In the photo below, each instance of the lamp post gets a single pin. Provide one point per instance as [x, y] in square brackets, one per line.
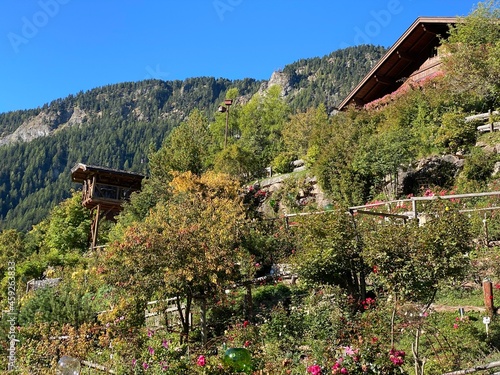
[222, 109]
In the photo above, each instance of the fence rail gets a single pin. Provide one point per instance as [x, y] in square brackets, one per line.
[491, 126]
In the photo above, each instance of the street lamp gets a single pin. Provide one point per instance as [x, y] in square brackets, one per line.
[222, 109]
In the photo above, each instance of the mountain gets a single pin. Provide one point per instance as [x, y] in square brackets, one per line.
[112, 126]
[115, 126]
[327, 80]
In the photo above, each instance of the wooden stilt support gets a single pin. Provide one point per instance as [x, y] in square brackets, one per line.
[95, 226]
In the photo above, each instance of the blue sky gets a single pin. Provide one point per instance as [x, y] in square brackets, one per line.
[52, 48]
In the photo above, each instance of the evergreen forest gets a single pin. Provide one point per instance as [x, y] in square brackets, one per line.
[117, 126]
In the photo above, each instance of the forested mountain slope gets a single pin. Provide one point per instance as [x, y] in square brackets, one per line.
[115, 126]
[111, 126]
[329, 80]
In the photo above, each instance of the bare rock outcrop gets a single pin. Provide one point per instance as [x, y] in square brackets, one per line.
[278, 78]
[38, 126]
[431, 171]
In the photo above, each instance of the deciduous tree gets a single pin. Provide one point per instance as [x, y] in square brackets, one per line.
[412, 260]
[327, 252]
[471, 53]
[186, 248]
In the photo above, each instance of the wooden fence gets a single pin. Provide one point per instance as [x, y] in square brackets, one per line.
[487, 117]
[163, 313]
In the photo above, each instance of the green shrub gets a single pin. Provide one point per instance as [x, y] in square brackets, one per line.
[283, 162]
[478, 166]
[64, 304]
[266, 297]
[455, 134]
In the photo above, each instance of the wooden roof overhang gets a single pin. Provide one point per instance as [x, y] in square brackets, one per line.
[409, 52]
[105, 187]
[81, 172]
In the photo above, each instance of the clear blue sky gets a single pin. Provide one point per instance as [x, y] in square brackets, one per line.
[52, 48]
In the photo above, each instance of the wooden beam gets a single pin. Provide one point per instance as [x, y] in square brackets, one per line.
[383, 80]
[427, 30]
[95, 226]
[385, 214]
[479, 209]
[481, 116]
[406, 56]
[475, 369]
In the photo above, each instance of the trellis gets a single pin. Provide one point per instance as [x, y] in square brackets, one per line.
[414, 214]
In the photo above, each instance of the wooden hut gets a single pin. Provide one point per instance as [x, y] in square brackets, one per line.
[104, 191]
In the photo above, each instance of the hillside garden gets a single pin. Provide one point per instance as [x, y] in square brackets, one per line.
[206, 272]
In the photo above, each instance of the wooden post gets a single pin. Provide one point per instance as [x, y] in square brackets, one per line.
[203, 320]
[94, 227]
[485, 224]
[249, 303]
[488, 296]
[492, 125]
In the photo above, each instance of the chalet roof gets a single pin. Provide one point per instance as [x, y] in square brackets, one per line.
[81, 172]
[410, 51]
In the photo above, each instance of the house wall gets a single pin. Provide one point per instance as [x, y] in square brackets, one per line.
[428, 69]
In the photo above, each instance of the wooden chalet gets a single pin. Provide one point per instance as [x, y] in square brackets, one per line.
[413, 58]
[104, 190]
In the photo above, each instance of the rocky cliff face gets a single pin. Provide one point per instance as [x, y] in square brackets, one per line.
[38, 126]
[278, 78]
[144, 101]
[43, 125]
